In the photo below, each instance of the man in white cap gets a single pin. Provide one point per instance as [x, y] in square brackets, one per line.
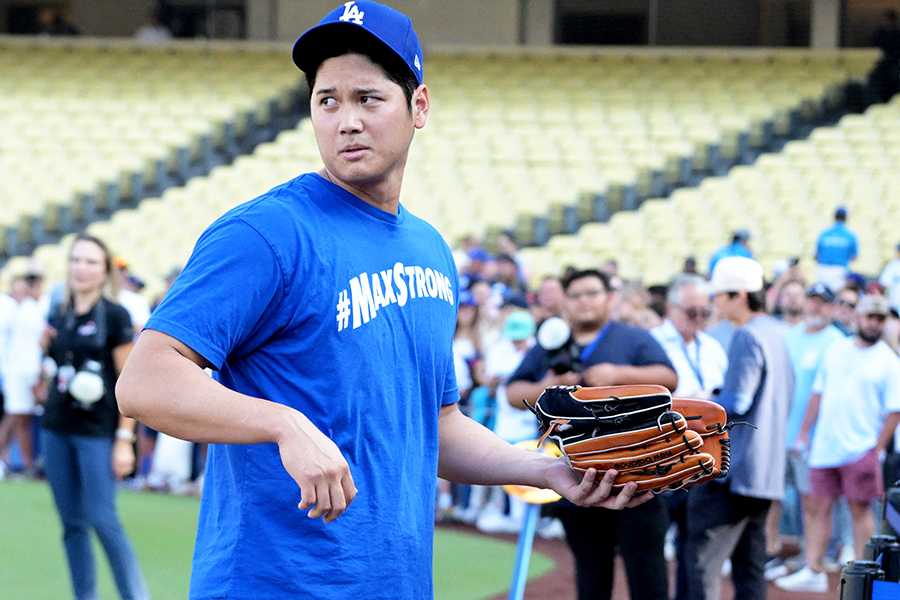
[855, 408]
[328, 316]
[726, 518]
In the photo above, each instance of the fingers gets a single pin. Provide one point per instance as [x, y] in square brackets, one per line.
[597, 493]
[327, 499]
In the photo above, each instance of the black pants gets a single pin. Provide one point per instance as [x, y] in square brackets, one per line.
[677, 504]
[593, 535]
[722, 525]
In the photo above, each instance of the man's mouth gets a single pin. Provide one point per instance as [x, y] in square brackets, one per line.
[354, 151]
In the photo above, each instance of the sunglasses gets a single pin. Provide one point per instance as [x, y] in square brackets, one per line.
[695, 313]
[842, 302]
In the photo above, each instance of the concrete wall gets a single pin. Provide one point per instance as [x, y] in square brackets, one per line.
[436, 21]
[686, 22]
[533, 22]
[110, 17]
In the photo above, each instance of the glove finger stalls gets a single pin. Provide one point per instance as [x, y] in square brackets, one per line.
[670, 476]
[641, 458]
[629, 439]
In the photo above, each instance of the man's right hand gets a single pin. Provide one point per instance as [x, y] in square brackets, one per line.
[319, 468]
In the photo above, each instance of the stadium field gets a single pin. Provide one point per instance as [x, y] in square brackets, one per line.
[32, 563]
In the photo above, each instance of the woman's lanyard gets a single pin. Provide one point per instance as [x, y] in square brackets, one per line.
[589, 349]
[695, 365]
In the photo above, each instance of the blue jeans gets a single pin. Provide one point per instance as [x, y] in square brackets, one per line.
[79, 470]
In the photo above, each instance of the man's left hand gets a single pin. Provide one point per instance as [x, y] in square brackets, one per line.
[588, 491]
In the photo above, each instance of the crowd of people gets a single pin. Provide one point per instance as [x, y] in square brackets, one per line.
[809, 359]
[795, 356]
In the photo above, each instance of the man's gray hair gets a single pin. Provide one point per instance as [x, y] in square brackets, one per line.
[675, 294]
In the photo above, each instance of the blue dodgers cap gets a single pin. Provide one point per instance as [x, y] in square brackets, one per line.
[821, 290]
[391, 28]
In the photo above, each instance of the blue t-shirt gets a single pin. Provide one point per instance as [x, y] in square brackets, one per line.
[806, 351]
[309, 297]
[735, 249]
[836, 246]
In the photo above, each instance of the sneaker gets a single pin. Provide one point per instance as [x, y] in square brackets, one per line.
[775, 568]
[726, 567]
[847, 555]
[492, 522]
[804, 580]
[550, 529]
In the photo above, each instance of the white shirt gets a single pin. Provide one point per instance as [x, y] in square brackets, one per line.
[137, 306]
[890, 278]
[859, 387]
[511, 424]
[21, 325]
[700, 365]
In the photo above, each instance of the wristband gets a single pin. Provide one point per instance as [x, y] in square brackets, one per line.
[126, 435]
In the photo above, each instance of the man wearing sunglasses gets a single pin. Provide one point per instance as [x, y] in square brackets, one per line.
[697, 357]
[855, 407]
[700, 362]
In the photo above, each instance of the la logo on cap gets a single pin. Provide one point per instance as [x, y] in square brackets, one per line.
[352, 13]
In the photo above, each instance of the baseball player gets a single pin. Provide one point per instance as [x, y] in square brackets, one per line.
[328, 313]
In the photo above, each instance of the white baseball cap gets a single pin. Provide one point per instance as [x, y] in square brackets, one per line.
[736, 274]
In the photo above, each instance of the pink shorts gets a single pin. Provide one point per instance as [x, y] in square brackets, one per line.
[860, 481]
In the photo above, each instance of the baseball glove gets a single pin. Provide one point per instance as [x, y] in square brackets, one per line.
[639, 431]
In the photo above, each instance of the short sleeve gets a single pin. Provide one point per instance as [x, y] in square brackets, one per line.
[119, 326]
[533, 366]
[228, 295]
[744, 374]
[650, 352]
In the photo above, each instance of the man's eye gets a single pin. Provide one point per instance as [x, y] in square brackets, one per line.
[327, 102]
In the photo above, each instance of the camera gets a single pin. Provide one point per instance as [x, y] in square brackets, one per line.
[563, 353]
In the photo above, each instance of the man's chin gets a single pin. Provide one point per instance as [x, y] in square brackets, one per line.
[870, 339]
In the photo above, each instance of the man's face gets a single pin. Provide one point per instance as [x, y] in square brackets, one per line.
[792, 299]
[691, 315]
[363, 123]
[870, 327]
[551, 295]
[725, 305]
[817, 312]
[587, 304]
[845, 306]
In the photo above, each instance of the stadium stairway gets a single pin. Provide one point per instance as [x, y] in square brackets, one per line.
[91, 126]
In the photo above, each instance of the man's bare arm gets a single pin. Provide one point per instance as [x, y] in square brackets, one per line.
[470, 453]
[164, 386]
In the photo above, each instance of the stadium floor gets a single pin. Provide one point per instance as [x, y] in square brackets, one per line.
[559, 584]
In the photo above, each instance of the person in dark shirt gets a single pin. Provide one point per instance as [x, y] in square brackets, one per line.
[604, 352]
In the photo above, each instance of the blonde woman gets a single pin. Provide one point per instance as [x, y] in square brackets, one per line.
[87, 443]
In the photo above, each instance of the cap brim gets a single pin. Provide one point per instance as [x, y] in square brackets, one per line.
[324, 41]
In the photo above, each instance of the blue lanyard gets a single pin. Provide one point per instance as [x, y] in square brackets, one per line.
[589, 349]
[695, 366]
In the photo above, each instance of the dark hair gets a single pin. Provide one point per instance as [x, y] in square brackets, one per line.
[576, 275]
[364, 44]
[756, 301]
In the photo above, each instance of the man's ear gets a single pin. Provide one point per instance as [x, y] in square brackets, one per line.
[420, 105]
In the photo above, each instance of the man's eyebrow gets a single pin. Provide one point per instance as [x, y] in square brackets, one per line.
[357, 91]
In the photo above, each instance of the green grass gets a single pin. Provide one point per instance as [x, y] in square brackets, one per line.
[466, 567]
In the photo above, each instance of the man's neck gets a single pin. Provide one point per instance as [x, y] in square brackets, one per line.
[863, 344]
[586, 336]
[384, 195]
[810, 330]
[688, 337]
[743, 317]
